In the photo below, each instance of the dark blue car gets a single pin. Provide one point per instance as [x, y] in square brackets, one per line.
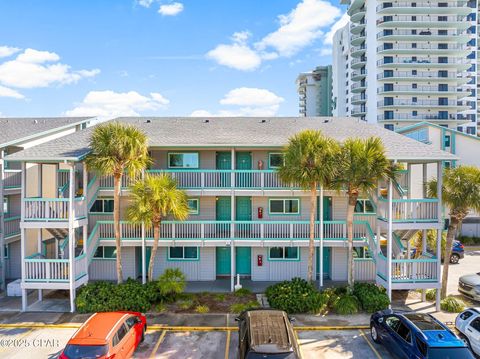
[416, 335]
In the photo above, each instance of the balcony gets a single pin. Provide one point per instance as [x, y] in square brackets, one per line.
[449, 76]
[358, 27]
[409, 271]
[357, 112]
[405, 7]
[357, 39]
[13, 179]
[358, 75]
[423, 35]
[11, 226]
[419, 117]
[407, 62]
[424, 90]
[357, 15]
[357, 51]
[410, 211]
[424, 48]
[260, 230]
[358, 87]
[53, 209]
[420, 103]
[424, 21]
[358, 62]
[359, 99]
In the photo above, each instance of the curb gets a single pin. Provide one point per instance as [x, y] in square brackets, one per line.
[185, 328]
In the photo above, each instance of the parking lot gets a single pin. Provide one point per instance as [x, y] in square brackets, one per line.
[48, 343]
[467, 265]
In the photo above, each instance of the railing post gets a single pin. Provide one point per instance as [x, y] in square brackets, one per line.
[389, 239]
[262, 179]
[202, 179]
[71, 235]
[202, 230]
[439, 230]
[262, 230]
[47, 271]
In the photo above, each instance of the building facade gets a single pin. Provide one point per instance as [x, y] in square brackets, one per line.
[243, 220]
[18, 134]
[411, 62]
[315, 92]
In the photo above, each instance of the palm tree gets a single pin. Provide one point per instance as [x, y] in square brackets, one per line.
[153, 200]
[361, 164]
[117, 149]
[461, 194]
[309, 162]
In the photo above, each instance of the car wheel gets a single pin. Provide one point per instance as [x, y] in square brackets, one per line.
[454, 258]
[374, 333]
[143, 335]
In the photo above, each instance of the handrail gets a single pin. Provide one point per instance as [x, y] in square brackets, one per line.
[408, 200]
[8, 219]
[398, 241]
[92, 181]
[240, 222]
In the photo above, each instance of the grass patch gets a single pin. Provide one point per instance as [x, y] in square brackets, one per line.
[452, 305]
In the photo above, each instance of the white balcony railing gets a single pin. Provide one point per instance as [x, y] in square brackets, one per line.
[13, 179]
[409, 210]
[53, 209]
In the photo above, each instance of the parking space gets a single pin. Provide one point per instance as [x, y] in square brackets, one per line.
[466, 266]
[48, 343]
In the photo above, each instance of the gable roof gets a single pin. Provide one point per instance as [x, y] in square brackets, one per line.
[430, 124]
[15, 130]
[238, 132]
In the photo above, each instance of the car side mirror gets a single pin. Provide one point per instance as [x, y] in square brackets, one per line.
[237, 319]
[380, 320]
[291, 319]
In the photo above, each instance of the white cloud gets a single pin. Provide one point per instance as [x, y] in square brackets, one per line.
[171, 9]
[237, 55]
[7, 92]
[145, 3]
[6, 51]
[110, 104]
[338, 25]
[298, 29]
[33, 69]
[326, 51]
[248, 101]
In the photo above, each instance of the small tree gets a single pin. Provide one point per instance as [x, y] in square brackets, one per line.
[153, 200]
[309, 162]
[461, 194]
[362, 163]
[116, 149]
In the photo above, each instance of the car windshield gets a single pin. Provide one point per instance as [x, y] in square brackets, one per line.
[85, 351]
[449, 353]
[253, 355]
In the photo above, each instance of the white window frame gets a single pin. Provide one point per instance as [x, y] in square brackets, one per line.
[194, 211]
[270, 158]
[183, 153]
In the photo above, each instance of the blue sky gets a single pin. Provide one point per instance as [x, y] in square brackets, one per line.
[160, 57]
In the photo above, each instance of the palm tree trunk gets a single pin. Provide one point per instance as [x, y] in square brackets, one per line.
[311, 244]
[452, 230]
[352, 202]
[117, 180]
[156, 237]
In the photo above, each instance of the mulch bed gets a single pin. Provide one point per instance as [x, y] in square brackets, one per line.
[216, 302]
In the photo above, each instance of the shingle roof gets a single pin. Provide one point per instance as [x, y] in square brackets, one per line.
[272, 132]
[15, 130]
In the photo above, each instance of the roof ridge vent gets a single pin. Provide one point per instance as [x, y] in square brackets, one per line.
[148, 120]
[35, 121]
[206, 120]
[263, 120]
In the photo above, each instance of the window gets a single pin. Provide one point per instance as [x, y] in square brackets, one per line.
[387, 87]
[443, 101]
[404, 332]
[183, 160]
[364, 206]
[414, 113]
[388, 101]
[442, 87]
[119, 335]
[422, 347]
[102, 205]
[6, 205]
[6, 251]
[284, 206]
[105, 252]
[183, 253]
[414, 86]
[465, 315]
[471, 130]
[193, 205]
[387, 73]
[443, 60]
[388, 115]
[393, 323]
[442, 46]
[475, 324]
[361, 252]
[284, 253]
[414, 72]
[131, 321]
[414, 99]
[275, 160]
[443, 115]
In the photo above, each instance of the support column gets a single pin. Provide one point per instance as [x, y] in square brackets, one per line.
[409, 180]
[424, 180]
[144, 271]
[424, 250]
[321, 237]
[23, 238]
[389, 240]
[2, 222]
[439, 232]
[71, 236]
[232, 225]
[85, 246]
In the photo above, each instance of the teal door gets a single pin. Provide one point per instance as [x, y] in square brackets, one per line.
[325, 261]
[148, 253]
[223, 208]
[243, 260]
[223, 261]
[243, 161]
[327, 208]
[243, 212]
[223, 162]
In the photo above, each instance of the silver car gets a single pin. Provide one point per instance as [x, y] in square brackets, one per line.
[469, 285]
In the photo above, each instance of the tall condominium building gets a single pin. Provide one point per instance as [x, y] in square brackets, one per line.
[315, 92]
[409, 63]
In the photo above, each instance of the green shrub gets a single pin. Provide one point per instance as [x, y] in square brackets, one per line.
[202, 309]
[220, 297]
[241, 307]
[347, 305]
[333, 295]
[171, 283]
[160, 307]
[318, 302]
[371, 297]
[431, 294]
[293, 296]
[469, 241]
[452, 305]
[185, 304]
[242, 292]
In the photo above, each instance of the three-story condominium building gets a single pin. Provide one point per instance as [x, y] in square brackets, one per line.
[243, 219]
[410, 61]
[17, 134]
